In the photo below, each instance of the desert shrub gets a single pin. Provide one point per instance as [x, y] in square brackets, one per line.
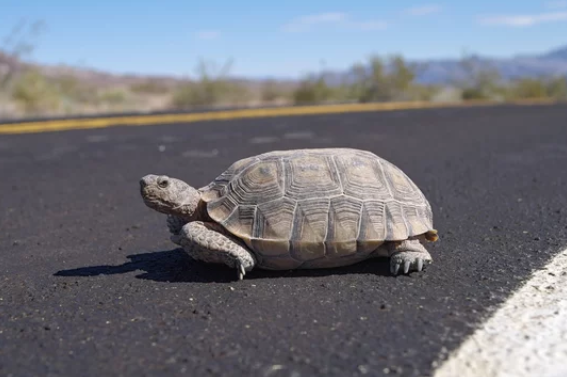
[379, 80]
[370, 83]
[312, 91]
[527, 88]
[400, 78]
[34, 93]
[423, 92]
[113, 96]
[385, 79]
[235, 93]
[468, 94]
[210, 93]
[479, 80]
[71, 90]
[557, 88]
[210, 89]
[197, 94]
[270, 91]
[149, 87]
[16, 45]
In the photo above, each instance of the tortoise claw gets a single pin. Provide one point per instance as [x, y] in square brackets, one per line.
[419, 264]
[240, 271]
[409, 261]
[395, 268]
[407, 264]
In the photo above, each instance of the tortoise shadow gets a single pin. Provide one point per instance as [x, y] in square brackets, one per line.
[175, 266]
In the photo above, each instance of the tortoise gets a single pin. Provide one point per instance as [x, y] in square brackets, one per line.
[303, 208]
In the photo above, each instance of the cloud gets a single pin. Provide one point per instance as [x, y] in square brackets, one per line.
[208, 34]
[333, 19]
[424, 10]
[560, 4]
[524, 20]
[304, 23]
[322, 18]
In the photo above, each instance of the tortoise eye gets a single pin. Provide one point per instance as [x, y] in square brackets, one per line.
[163, 182]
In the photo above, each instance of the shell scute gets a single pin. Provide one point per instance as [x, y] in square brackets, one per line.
[311, 177]
[362, 176]
[310, 229]
[343, 226]
[402, 188]
[260, 184]
[274, 220]
[218, 187]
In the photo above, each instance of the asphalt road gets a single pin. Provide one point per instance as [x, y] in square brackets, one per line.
[91, 285]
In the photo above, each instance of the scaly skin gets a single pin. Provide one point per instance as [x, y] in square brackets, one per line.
[175, 223]
[408, 255]
[209, 242]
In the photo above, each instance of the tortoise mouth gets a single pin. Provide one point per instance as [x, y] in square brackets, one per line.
[152, 199]
[159, 206]
[144, 192]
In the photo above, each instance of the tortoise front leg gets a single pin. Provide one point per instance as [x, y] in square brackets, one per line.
[408, 253]
[210, 243]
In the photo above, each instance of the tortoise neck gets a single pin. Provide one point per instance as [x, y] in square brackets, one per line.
[201, 213]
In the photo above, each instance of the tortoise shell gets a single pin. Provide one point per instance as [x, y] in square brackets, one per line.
[315, 207]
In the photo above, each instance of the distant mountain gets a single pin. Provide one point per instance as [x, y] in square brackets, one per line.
[446, 71]
[553, 63]
[559, 54]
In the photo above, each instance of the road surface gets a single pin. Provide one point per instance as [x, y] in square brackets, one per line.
[91, 285]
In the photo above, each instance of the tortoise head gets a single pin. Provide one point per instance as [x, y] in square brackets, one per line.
[169, 195]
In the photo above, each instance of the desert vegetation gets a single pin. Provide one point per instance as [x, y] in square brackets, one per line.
[28, 89]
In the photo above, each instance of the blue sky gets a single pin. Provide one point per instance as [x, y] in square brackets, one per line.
[284, 38]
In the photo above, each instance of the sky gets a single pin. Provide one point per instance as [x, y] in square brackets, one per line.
[278, 39]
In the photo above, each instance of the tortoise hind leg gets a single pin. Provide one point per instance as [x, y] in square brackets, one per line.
[409, 254]
[210, 243]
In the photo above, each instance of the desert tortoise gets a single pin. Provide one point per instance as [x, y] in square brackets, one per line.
[305, 208]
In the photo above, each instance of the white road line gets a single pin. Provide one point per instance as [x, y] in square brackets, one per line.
[526, 336]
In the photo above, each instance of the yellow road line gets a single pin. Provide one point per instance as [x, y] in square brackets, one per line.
[140, 120]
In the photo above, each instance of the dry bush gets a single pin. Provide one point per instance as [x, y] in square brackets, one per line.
[149, 87]
[527, 89]
[270, 91]
[480, 80]
[34, 94]
[312, 91]
[210, 89]
[557, 88]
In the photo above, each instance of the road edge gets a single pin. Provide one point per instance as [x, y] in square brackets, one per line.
[158, 119]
